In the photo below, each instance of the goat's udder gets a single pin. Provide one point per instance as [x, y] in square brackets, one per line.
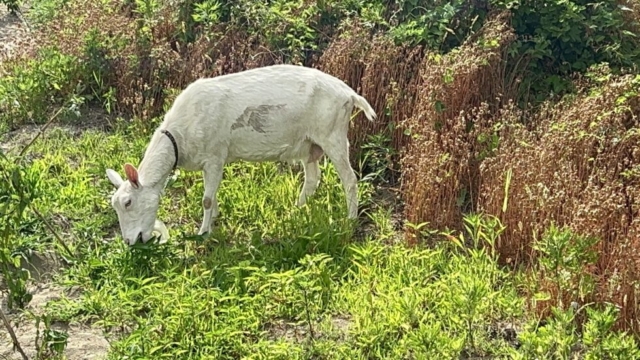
[315, 153]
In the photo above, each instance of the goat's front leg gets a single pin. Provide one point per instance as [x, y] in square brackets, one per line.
[212, 176]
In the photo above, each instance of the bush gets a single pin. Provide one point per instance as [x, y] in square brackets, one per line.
[30, 88]
[18, 189]
[557, 38]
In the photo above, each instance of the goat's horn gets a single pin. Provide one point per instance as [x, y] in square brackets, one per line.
[162, 229]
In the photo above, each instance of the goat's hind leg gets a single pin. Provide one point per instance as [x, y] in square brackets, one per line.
[311, 174]
[337, 149]
[212, 175]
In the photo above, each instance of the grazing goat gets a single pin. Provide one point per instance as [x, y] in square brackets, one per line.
[274, 113]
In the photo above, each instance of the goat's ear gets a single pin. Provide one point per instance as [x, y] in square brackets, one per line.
[132, 175]
[114, 177]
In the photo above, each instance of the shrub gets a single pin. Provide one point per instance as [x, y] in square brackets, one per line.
[559, 336]
[575, 165]
[441, 26]
[30, 88]
[557, 38]
[18, 188]
[563, 262]
[449, 126]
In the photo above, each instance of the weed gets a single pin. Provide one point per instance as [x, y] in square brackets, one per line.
[553, 340]
[377, 158]
[563, 258]
[570, 169]
[19, 187]
[601, 342]
[51, 344]
[441, 162]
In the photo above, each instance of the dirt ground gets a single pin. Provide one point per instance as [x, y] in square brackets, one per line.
[83, 342]
[14, 33]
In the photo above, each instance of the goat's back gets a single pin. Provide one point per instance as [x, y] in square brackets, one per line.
[268, 113]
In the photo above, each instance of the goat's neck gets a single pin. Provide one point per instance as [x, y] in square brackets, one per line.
[157, 163]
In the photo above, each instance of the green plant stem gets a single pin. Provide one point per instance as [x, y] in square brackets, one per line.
[55, 233]
[40, 132]
[14, 339]
[306, 307]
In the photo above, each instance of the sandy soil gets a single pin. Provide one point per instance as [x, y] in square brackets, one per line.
[14, 33]
[83, 342]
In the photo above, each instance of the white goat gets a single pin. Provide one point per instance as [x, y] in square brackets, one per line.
[274, 113]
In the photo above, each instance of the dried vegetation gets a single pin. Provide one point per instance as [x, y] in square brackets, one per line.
[467, 148]
[578, 167]
[451, 128]
[384, 73]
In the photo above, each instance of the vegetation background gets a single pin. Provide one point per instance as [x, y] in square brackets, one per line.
[500, 184]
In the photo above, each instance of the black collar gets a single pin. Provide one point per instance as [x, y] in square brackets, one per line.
[175, 146]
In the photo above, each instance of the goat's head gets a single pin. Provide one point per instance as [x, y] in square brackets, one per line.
[136, 206]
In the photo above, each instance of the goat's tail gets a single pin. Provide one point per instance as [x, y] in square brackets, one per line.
[362, 104]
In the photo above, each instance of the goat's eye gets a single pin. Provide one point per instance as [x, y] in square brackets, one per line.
[128, 203]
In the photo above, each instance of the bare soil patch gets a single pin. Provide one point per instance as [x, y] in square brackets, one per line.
[300, 332]
[83, 342]
[14, 34]
[91, 118]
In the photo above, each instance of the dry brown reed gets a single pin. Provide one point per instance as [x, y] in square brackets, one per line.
[390, 82]
[440, 163]
[344, 59]
[384, 73]
[579, 168]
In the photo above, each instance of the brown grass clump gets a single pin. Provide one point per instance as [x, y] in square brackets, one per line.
[390, 85]
[144, 61]
[450, 126]
[344, 56]
[579, 168]
[344, 59]
[384, 73]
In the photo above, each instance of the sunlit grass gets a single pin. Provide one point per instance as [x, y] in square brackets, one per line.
[273, 281]
[269, 270]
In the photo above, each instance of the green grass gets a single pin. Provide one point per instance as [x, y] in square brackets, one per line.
[276, 281]
[269, 265]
